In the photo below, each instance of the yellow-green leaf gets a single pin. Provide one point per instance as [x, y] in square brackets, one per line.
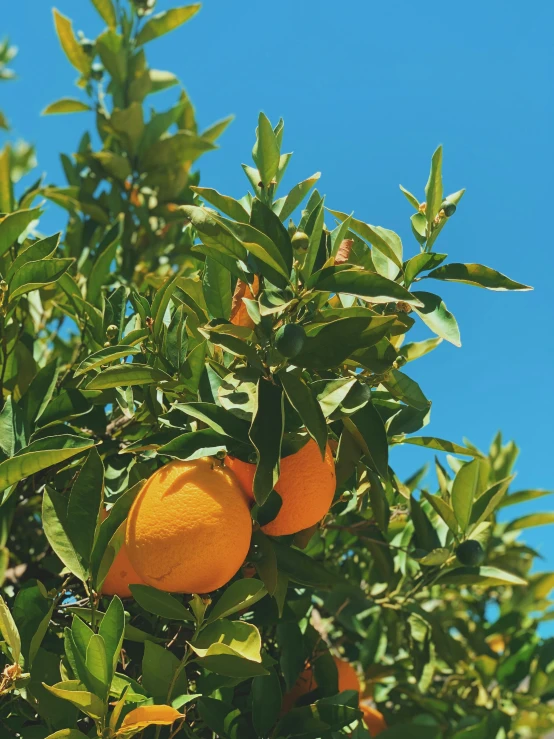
[165, 22]
[66, 105]
[9, 631]
[72, 48]
[144, 716]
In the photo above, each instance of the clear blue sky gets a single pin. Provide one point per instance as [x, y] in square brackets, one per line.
[367, 91]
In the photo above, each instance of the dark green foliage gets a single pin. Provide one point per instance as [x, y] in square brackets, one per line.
[120, 349]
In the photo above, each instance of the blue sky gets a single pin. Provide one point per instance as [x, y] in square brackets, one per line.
[367, 91]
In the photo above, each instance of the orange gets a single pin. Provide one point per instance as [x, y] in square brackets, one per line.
[373, 719]
[348, 680]
[306, 485]
[121, 573]
[189, 528]
[497, 643]
[239, 314]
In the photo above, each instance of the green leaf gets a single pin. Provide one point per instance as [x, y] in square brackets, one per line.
[291, 202]
[115, 165]
[67, 734]
[476, 274]
[59, 532]
[267, 437]
[39, 455]
[426, 536]
[464, 492]
[41, 249]
[433, 188]
[378, 500]
[66, 105]
[196, 444]
[224, 203]
[102, 266]
[303, 569]
[67, 404]
[230, 648]
[530, 521]
[420, 263]
[433, 442]
[35, 275]
[443, 510]
[72, 691]
[489, 501]
[330, 344]
[265, 220]
[107, 11]
[403, 388]
[72, 48]
[97, 662]
[13, 225]
[262, 247]
[417, 349]
[484, 576]
[112, 630]
[85, 502]
[160, 603]
[314, 240]
[217, 418]
[385, 241]
[105, 356]
[266, 150]
[318, 720]
[160, 678]
[127, 374]
[435, 314]
[32, 612]
[160, 303]
[266, 561]
[266, 702]
[368, 429]
[216, 281]
[164, 22]
[409, 197]
[238, 596]
[521, 496]
[302, 399]
[9, 631]
[39, 393]
[213, 132]
[363, 284]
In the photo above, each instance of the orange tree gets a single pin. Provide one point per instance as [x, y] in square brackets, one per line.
[198, 397]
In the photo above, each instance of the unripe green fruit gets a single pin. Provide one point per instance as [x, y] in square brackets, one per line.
[300, 241]
[97, 73]
[290, 339]
[449, 208]
[470, 553]
[4, 286]
[88, 47]
[112, 331]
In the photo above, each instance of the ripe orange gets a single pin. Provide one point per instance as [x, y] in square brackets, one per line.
[348, 680]
[189, 528]
[306, 485]
[121, 573]
[239, 314]
[373, 719]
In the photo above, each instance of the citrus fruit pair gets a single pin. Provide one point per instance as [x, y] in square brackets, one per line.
[306, 485]
[189, 528]
[347, 680]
